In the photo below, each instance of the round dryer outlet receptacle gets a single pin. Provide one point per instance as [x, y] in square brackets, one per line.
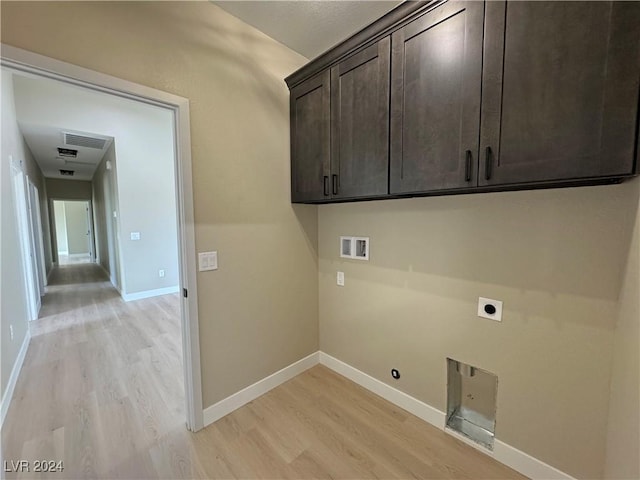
[490, 309]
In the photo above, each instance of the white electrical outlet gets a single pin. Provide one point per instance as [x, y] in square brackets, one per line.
[161, 273]
[340, 279]
[491, 309]
[11, 332]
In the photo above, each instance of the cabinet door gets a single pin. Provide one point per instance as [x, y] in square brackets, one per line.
[360, 123]
[435, 99]
[310, 154]
[560, 90]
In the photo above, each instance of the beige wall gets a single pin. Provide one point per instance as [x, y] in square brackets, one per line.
[258, 312]
[60, 189]
[554, 257]
[623, 439]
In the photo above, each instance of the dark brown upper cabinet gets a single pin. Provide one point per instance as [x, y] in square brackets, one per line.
[465, 96]
[435, 99]
[360, 123]
[310, 139]
[560, 91]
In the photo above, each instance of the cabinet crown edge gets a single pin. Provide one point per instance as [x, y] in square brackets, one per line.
[394, 19]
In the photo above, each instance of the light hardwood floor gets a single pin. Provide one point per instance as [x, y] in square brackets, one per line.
[101, 389]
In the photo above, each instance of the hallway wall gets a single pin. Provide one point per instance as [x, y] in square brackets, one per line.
[104, 188]
[60, 189]
[14, 311]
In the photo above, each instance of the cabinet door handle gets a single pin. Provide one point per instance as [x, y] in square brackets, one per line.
[334, 182]
[326, 186]
[467, 168]
[487, 165]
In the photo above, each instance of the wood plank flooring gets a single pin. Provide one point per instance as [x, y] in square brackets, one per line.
[101, 389]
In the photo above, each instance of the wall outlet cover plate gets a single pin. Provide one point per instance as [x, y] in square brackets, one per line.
[491, 309]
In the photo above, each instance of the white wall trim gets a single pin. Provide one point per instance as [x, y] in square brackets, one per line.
[244, 396]
[526, 464]
[410, 404]
[42, 66]
[503, 453]
[13, 379]
[128, 297]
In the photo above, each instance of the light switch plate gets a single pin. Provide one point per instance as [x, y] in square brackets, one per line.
[207, 261]
[340, 279]
[491, 309]
[135, 235]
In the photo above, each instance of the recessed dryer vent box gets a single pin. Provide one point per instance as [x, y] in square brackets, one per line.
[354, 247]
[471, 402]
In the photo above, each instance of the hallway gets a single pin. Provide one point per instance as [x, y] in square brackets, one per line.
[102, 379]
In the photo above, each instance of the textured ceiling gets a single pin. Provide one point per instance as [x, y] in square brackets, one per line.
[308, 27]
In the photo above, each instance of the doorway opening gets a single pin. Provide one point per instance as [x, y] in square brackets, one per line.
[74, 233]
[40, 67]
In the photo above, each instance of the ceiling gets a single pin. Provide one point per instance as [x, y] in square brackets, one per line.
[308, 27]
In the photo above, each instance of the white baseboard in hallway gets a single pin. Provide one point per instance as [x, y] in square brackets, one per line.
[128, 297]
[244, 396]
[15, 372]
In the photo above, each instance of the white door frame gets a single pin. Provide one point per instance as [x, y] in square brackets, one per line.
[36, 222]
[20, 193]
[91, 239]
[41, 66]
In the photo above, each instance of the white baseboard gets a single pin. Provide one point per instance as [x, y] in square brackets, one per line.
[237, 400]
[503, 453]
[410, 404]
[526, 464]
[128, 297]
[13, 379]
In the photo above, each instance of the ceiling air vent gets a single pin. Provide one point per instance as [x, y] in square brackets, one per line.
[84, 141]
[67, 152]
[67, 173]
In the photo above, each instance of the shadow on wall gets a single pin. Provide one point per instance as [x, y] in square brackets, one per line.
[307, 216]
[564, 241]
